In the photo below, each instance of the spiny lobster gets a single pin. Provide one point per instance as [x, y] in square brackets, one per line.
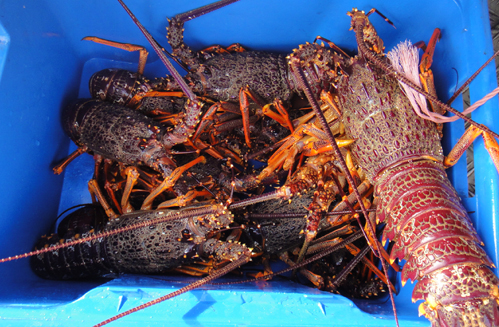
[156, 241]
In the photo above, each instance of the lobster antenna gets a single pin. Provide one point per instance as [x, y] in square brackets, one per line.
[305, 262]
[71, 208]
[191, 14]
[472, 77]
[298, 214]
[219, 273]
[161, 55]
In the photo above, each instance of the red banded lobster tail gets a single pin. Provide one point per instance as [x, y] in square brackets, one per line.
[433, 233]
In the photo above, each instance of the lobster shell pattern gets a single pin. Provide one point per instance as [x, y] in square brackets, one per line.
[222, 76]
[266, 74]
[383, 121]
[401, 154]
[123, 87]
[115, 132]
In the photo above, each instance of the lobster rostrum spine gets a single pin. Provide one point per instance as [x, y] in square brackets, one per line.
[401, 154]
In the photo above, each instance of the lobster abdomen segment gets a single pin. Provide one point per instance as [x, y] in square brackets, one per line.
[418, 195]
[433, 232]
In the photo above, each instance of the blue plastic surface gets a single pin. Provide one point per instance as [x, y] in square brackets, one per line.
[45, 65]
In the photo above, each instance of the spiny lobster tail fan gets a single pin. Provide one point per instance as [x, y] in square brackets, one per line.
[466, 298]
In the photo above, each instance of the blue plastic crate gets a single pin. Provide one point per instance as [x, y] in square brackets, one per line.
[43, 65]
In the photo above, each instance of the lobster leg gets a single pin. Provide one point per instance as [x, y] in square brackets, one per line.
[182, 201]
[216, 152]
[143, 53]
[244, 95]
[132, 177]
[466, 140]
[282, 118]
[110, 184]
[426, 74]
[95, 190]
[168, 182]
[60, 167]
[315, 279]
[236, 47]
[296, 142]
[210, 116]
[199, 269]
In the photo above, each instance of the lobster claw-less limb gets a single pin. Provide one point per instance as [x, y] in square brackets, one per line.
[467, 139]
[143, 53]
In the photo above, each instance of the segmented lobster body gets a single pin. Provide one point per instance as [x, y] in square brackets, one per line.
[401, 154]
[146, 250]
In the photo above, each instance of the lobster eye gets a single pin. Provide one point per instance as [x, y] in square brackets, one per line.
[206, 71]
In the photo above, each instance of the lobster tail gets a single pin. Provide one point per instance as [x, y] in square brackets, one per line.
[432, 231]
[77, 261]
[459, 295]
